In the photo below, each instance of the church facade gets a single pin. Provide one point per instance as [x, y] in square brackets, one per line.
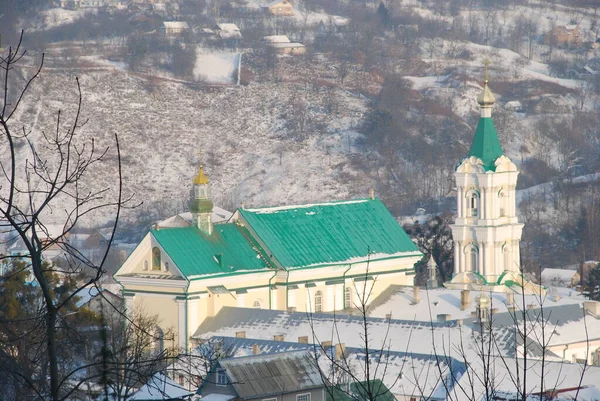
[316, 258]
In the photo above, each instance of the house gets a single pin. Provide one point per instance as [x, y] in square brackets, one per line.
[285, 376]
[564, 35]
[174, 28]
[283, 45]
[332, 25]
[100, 299]
[314, 257]
[560, 278]
[550, 104]
[228, 31]
[280, 8]
[514, 105]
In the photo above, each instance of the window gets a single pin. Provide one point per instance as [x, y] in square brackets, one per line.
[348, 297]
[502, 202]
[270, 399]
[145, 265]
[473, 254]
[303, 397]
[180, 380]
[318, 303]
[473, 204]
[155, 258]
[221, 377]
[167, 266]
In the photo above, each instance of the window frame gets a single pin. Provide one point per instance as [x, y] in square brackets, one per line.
[302, 395]
[221, 374]
[318, 305]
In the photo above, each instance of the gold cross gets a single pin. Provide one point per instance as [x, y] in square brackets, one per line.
[486, 62]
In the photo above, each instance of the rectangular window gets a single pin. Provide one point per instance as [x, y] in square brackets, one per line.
[221, 377]
[303, 397]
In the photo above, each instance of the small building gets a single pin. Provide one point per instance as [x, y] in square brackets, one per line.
[334, 24]
[228, 31]
[564, 35]
[283, 45]
[280, 8]
[285, 376]
[560, 278]
[514, 105]
[173, 28]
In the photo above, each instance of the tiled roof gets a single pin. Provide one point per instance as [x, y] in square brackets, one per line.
[486, 145]
[329, 233]
[226, 251]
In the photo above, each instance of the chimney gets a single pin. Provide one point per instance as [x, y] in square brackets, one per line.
[510, 299]
[155, 227]
[592, 308]
[416, 295]
[243, 205]
[465, 297]
[240, 334]
[372, 193]
[278, 337]
[303, 340]
[340, 351]
[255, 349]
[326, 345]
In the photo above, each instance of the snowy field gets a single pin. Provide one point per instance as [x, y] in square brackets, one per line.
[217, 68]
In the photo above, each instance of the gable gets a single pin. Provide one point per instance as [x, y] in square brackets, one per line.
[329, 233]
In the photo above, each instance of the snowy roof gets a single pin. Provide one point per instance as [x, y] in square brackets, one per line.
[549, 275]
[559, 379]
[265, 324]
[175, 24]
[274, 2]
[228, 27]
[277, 39]
[286, 45]
[160, 387]
[570, 27]
[443, 301]
[514, 104]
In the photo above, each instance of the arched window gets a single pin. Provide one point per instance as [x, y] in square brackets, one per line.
[318, 302]
[348, 297]
[473, 204]
[166, 266]
[502, 203]
[256, 304]
[507, 258]
[471, 254]
[155, 258]
[145, 265]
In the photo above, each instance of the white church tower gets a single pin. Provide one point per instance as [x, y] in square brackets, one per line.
[486, 231]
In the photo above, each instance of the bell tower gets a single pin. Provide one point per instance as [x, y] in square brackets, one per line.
[486, 231]
[202, 205]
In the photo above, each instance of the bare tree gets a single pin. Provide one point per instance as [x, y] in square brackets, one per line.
[46, 175]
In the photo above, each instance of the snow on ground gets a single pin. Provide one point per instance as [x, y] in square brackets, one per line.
[58, 16]
[217, 68]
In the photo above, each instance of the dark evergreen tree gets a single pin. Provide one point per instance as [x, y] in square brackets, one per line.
[592, 283]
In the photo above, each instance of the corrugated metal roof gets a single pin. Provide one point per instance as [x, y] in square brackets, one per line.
[329, 233]
[226, 251]
[262, 375]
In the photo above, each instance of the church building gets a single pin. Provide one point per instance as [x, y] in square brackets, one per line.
[486, 231]
[316, 258]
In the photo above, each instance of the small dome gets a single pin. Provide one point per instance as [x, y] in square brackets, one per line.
[486, 97]
[483, 300]
[200, 178]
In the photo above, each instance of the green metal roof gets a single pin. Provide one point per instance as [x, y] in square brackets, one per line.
[486, 145]
[359, 391]
[329, 233]
[196, 253]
